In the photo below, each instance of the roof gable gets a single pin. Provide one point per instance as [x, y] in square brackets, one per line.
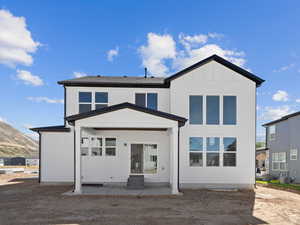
[153, 82]
[181, 120]
[222, 61]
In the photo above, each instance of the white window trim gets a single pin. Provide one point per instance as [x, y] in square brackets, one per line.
[103, 146]
[279, 161]
[84, 103]
[294, 154]
[109, 146]
[195, 151]
[203, 110]
[235, 152]
[100, 103]
[146, 97]
[219, 152]
[93, 102]
[272, 138]
[158, 161]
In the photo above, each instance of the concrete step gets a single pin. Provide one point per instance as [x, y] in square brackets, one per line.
[135, 182]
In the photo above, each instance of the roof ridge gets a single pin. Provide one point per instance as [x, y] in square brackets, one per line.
[286, 117]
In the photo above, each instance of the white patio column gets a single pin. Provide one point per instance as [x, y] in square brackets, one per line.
[174, 160]
[77, 160]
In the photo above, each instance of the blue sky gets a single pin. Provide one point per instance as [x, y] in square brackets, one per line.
[42, 42]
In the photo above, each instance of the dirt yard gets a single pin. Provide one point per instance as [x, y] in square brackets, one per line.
[26, 202]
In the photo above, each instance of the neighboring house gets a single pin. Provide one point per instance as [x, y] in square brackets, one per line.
[193, 129]
[283, 142]
[32, 161]
[13, 161]
[262, 160]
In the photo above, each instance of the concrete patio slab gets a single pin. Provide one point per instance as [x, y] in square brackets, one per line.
[122, 191]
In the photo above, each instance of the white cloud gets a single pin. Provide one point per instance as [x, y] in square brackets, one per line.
[284, 68]
[3, 119]
[298, 100]
[29, 78]
[188, 57]
[79, 74]
[273, 113]
[191, 49]
[45, 99]
[16, 43]
[112, 53]
[280, 96]
[188, 41]
[158, 49]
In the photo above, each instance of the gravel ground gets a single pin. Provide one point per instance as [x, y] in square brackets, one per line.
[27, 202]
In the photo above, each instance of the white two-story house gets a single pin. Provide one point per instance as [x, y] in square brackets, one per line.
[194, 129]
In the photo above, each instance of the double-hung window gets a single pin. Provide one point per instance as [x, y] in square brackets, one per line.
[294, 154]
[196, 151]
[92, 100]
[85, 145]
[98, 146]
[272, 132]
[101, 100]
[196, 109]
[85, 102]
[229, 155]
[212, 110]
[212, 151]
[229, 110]
[148, 100]
[279, 161]
[110, 146]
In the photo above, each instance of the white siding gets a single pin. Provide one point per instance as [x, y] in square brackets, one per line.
[98, 169]
[215, 79]
[116, 96]
[57, 157]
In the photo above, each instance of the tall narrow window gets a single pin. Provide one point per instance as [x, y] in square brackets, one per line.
[196, 109]
[229, 156]
[213, 151]
[101, 100]
[110, 146]
[279, 161]
[196, 151]
[294, 154]
[85, 101]
[152, 101]
[96, 146]
[229, 110]
[148, 100]
[212, 110]
[272, 132]
[85, 146]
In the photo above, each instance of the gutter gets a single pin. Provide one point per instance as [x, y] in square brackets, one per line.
[178, 152]
[40, 161]
[74, 159]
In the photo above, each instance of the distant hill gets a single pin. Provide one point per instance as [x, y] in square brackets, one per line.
[15, 143]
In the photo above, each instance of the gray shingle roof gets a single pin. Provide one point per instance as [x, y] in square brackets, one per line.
[282, 119]
[159, 82]
[115, 80]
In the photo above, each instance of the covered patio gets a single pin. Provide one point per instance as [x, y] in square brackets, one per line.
[113, 190]
[127, 122]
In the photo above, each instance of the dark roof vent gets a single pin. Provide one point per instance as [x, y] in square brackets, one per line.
[152, 76]
[124, 76]
[98, 75]
[146, 72]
